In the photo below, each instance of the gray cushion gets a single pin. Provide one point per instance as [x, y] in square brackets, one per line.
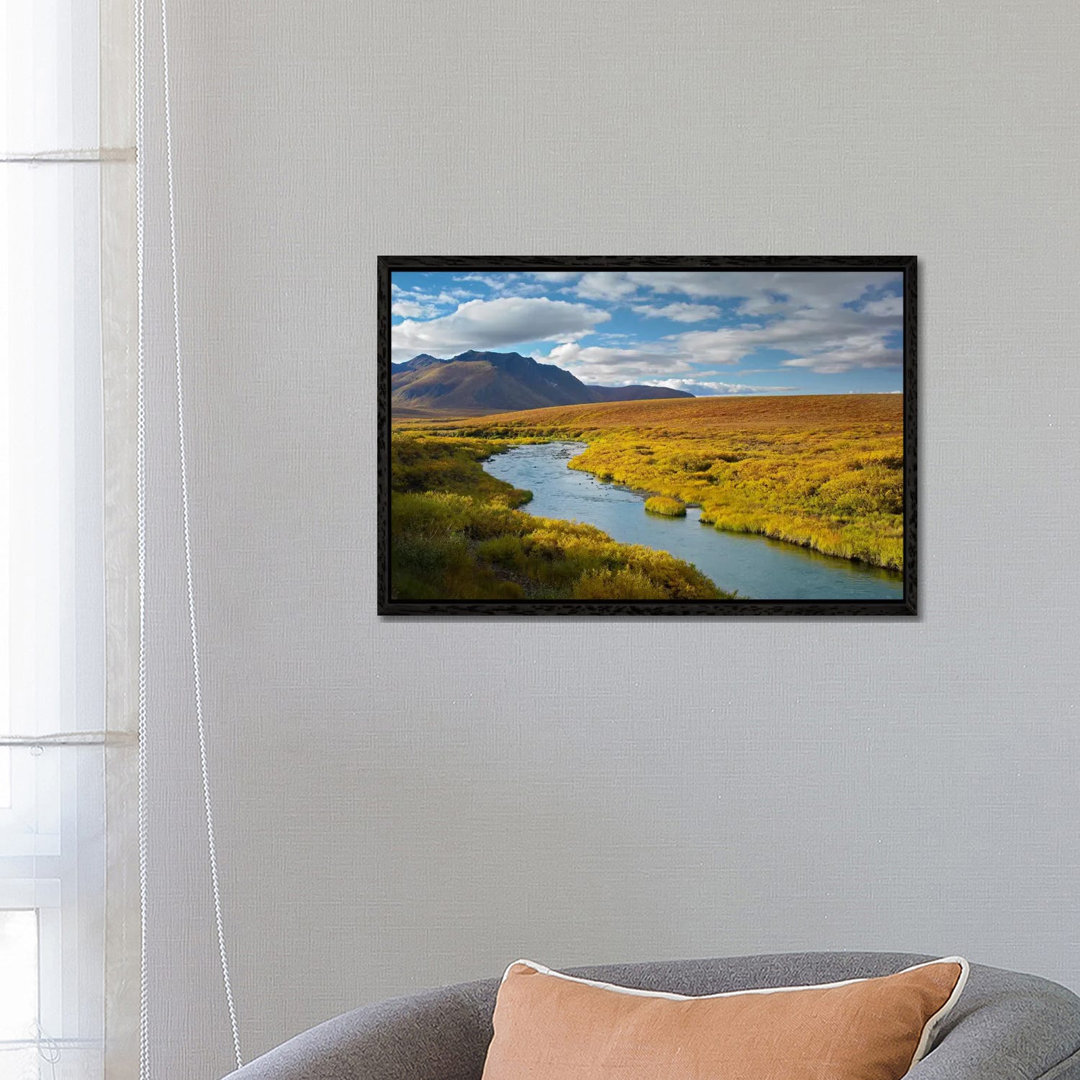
[1006, 1026]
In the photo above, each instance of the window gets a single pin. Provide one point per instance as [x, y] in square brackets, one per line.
[52, 578]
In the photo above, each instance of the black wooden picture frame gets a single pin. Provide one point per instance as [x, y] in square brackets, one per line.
[901, 602]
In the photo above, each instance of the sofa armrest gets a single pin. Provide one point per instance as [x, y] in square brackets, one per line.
[441, 1034]
[1007, 1026]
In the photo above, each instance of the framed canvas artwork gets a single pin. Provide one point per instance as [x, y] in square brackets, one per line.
[651, 436]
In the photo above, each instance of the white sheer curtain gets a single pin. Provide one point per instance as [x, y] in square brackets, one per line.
[57, 206]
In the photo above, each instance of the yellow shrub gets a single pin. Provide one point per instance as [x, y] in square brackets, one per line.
[661, 504]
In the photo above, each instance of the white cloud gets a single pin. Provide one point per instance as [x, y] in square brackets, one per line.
[509, 284]
[766, 291]
[721, 389]
[410, 309]
[554, 275]
[679, 312]
[419, 296]
[497, 282]
[605, 285]
[826, 341]
[866, 352]
[495, 324]
[838, 336]
[598, 364]
[886, 306]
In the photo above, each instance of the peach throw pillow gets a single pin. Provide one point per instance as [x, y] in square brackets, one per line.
[550, 1026]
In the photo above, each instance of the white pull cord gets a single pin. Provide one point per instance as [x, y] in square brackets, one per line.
[140, 455]
[140, 198]
[197, 679]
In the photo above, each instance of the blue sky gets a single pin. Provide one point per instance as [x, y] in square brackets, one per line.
[714, 332]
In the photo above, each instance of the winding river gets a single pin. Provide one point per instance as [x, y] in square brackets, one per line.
[759, 568]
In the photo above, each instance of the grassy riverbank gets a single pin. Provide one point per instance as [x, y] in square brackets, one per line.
[456, 533]
[825, 472]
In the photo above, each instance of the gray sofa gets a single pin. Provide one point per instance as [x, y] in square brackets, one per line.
[1006, 1026]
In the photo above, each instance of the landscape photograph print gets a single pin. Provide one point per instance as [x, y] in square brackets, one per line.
[647, 436]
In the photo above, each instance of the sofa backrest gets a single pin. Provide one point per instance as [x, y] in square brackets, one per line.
[1006, 1026]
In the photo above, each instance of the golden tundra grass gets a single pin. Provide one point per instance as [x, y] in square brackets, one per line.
[456, 534]
[825, 472]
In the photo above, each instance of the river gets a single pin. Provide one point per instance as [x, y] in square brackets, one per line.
[757, 567]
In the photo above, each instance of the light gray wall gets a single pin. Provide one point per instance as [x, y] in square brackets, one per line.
[409, 803]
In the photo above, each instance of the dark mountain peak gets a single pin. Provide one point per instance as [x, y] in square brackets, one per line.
[502, 360]
[421, 360]
[478, 381]
[509, 361]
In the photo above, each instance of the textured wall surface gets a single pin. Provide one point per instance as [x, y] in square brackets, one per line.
[408, 803]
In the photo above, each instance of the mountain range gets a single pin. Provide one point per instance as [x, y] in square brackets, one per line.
[474, 383]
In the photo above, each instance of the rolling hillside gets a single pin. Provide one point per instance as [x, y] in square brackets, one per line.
[855, 414]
